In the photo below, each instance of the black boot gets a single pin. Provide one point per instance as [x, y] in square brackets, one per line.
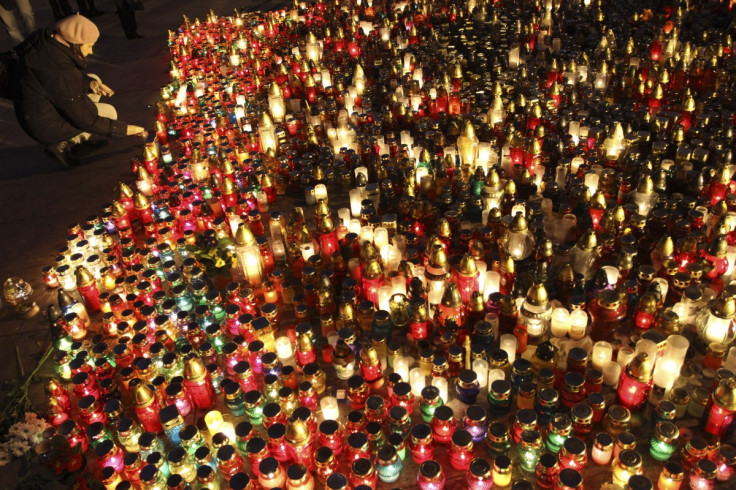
[62, 153]
[87, 147]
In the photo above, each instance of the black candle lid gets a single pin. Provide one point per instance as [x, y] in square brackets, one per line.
[522, 485]
[430, 469]
[462, 438]
[145, 440]
[323, 454]
[362, 467]
[548, 460]
[375, 403]
[271, 409]
[468, 376]
[386, 454]
[356, 382]
[107, 472]
[526, 416]
[569, 477]
[421, 431]
[276, 431]
[174, 480]
[253, 397]
[226, 452]
[573, 445]
[329, 427]
[94, 429]
[176, 455]
[148, 473]
[254, 446]
[444, 413]
[397, 412]
[639, 482]
[429, 392]
[402, 389]
[502, 462]
[626, 439]
[302, 413]
[204, 472]
[243, 429]
[357, 440]
[480, 467]
[268, 466]
[355, 417]
[475, 413]
[629, 457]
[239, 481]
[104, 447]
[337, 481]
[202, 454]
[130, 458]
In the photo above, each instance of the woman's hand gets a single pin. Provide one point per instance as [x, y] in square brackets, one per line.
[99, 88]
[136, 131]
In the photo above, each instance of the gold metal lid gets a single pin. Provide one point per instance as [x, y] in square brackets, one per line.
[537, 295]
[640, 367]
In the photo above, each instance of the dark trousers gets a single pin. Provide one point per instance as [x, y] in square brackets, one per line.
[86, 7]
[126, 13]
[60, 9]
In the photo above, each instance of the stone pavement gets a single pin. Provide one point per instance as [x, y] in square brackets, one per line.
[39, 199]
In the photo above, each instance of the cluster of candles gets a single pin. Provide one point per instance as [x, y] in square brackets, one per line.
[537, 207]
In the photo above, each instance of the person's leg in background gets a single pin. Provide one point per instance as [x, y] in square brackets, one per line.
[26, 15]
[126, 13]
[60, 9]
[83, 7]
[7, 16]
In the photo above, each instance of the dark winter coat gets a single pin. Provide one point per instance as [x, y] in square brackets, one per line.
[52, 103]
